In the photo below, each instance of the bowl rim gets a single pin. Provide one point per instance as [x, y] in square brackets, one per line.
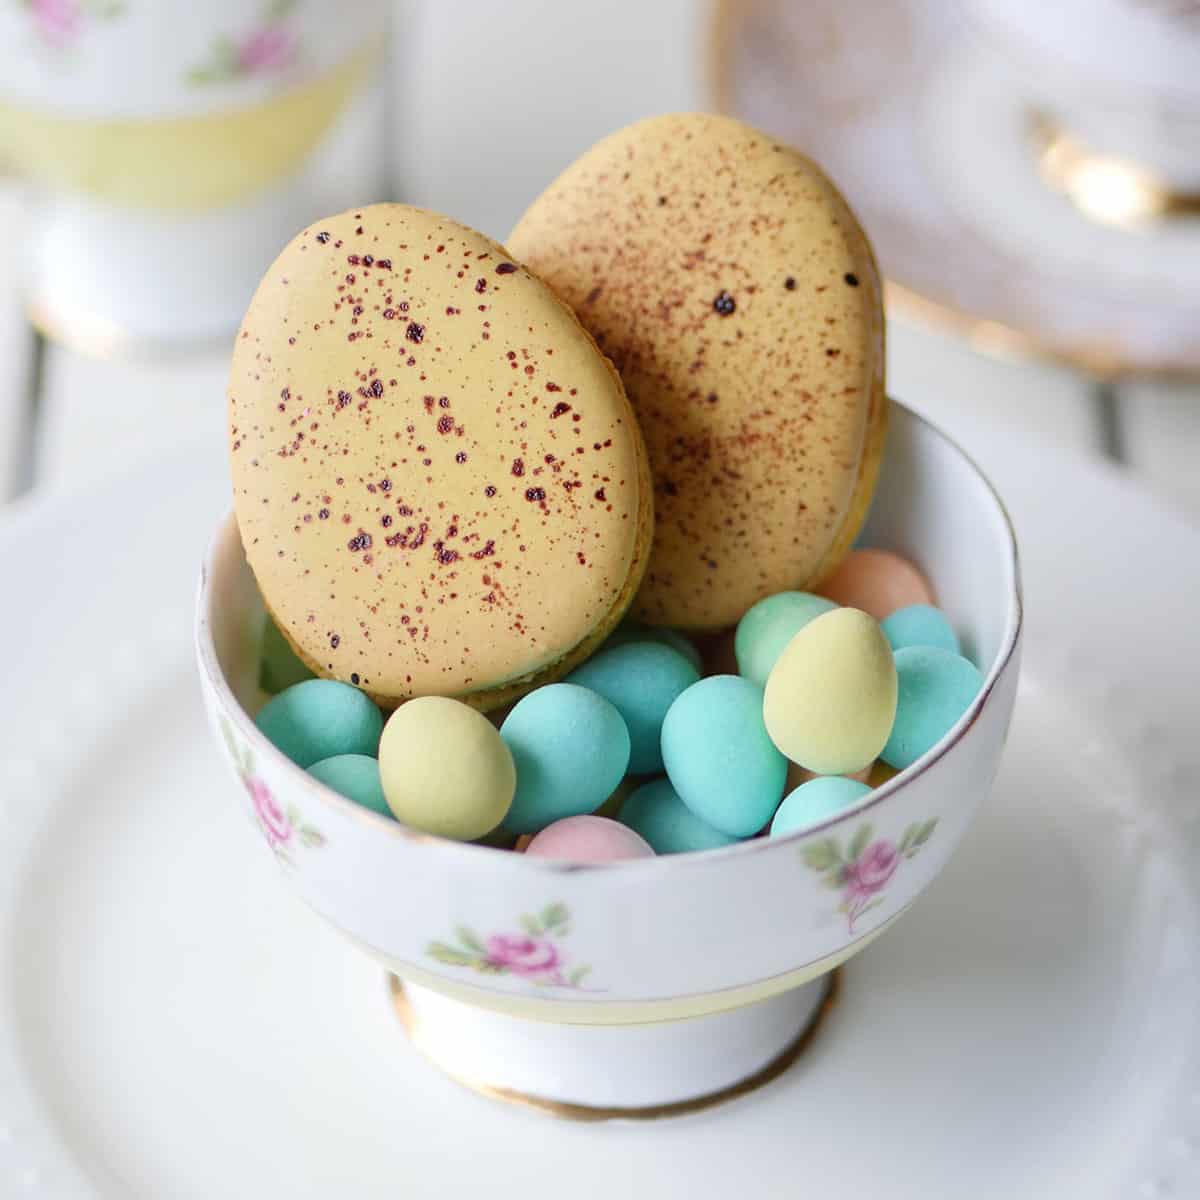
[214, 676]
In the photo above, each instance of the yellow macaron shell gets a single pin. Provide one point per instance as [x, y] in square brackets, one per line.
[438, 480]
[734, 290]
[830, 700]
[444, 768]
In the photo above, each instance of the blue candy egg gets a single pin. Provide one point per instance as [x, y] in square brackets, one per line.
[665, 637]
[765, 630]
[661, 817]
[570, 747]
[920, 625]
[935, 688]
[816, 801]
[321, 718]
[719, 758]
[641, 680]
[355, 776]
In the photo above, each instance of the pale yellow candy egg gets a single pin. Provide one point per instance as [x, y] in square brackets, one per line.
[444, 768]
[831, 698]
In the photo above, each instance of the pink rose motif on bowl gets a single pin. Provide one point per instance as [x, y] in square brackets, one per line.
[524, 955]
[864, 869]
[60, 22]
[874, 867]
[266, 49]
[269, 47]
[535, 954]
[283, 828]
[270, 816]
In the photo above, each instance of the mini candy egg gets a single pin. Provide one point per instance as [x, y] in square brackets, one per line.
[571, 748]
[878, 582]
[630, 632]
[588, 839]
[321, 718]
[831, 698]
[815, 801]
[936, 688]
[278, 666]
[920, 625]
[657, 813]
[355, 776]
[444, 768]
[641, 680]
[718, 755]
[765, 630]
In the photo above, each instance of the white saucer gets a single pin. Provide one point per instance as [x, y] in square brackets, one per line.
[174, 1023]
[927, 127]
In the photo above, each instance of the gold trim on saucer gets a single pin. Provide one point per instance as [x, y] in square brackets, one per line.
[651, 1112]
[1103, 360]
[1104, 187]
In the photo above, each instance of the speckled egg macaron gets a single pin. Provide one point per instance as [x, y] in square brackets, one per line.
[734, 290]
[440, 485]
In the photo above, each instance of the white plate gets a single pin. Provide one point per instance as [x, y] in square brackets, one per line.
[174, 1023]
[925, 123]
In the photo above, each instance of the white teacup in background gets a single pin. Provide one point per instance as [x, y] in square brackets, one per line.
[165, 140]
[1119, 77]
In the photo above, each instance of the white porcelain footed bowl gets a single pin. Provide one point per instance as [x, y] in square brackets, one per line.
[491, 944]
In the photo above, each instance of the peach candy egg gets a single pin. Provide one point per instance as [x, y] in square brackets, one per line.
[878, 582]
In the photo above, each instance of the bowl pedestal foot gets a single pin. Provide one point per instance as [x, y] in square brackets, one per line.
[601, 1072]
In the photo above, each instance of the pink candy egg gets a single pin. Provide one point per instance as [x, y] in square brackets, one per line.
[588, 839]
[878, 582]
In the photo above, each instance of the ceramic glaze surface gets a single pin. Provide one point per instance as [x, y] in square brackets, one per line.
[633, 925]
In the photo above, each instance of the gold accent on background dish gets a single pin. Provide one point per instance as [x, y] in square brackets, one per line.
[818, 71]
[1104, 187]
[587, 1113]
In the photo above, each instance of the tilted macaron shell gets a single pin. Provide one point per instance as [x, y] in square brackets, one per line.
[439, 483]
[719, 758]
[445, 769]
[570, 747]
[735, 292]
[831, 698]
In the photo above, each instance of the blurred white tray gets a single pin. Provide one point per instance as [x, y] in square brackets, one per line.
[173, 1023]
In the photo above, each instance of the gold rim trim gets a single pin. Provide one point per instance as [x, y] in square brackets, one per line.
[1105, 188]
[1101, 360]
[652, 1112]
